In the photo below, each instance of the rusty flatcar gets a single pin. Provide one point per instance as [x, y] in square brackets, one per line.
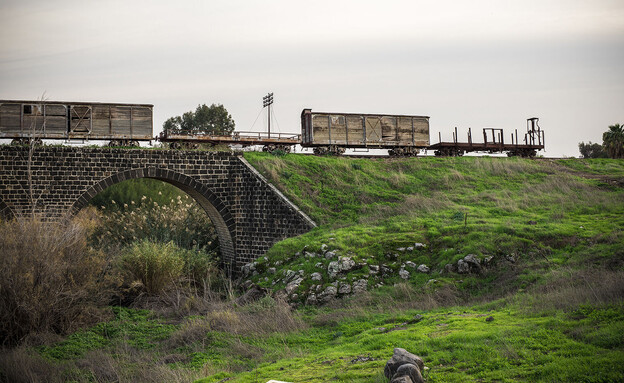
[334, 132]
[120, 124]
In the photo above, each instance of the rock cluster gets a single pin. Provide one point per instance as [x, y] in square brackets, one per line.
[470, 264]
[404, 367]
[333, 274]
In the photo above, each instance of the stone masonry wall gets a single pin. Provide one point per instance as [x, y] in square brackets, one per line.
[249, 214]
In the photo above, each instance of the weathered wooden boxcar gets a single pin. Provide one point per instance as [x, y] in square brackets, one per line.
[334, 132]
[121, 124]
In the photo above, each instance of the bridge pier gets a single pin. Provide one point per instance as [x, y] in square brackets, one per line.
[249, 214]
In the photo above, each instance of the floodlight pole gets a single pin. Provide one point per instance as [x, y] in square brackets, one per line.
[266, 102]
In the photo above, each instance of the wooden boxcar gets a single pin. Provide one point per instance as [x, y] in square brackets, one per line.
[334, 132]
[119, 123]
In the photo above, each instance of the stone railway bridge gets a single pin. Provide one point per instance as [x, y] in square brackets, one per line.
[249, 214]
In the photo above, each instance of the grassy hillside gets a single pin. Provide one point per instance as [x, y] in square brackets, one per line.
[545, 304]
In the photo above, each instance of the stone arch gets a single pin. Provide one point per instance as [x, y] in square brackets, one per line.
[5, 210]
[216, 209]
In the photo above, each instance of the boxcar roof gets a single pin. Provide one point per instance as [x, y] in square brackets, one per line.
[34, 102]
[366, 114]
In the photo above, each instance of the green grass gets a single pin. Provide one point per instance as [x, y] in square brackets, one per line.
[499, 207]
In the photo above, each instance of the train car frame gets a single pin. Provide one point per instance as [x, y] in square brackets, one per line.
[121, 124]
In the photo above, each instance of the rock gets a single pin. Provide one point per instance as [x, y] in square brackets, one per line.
[344, 288]
[360, 286]
[423, 268]
[419, 245]
[318, 265]
[311, 299]
[328, 294]
[310, 255]
[401, 249]
[489, 319]
[373, 269]
[409, 370]
[301, 272]
[292, 286]
[473, 262]
[417, 318]
[410, 264]
[385, 270]
[487, 260]
[449, 268]
[272, 270]
[410, 248]
[463, 267]
[399, 358]
[511, 258]
[401, 379]
[330, 254]
[404, 274]
[323, 247]
[316, 276]
[341, 265]
[289, 274]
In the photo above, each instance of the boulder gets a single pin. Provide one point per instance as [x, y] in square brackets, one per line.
[473, 262]
[328, 294]
[404, 274]
[463, 267]
[401, 379]
[423, 268]
[330, 254]
[399, 358]
[409, 370]
[292, 286]
[410, 264]
[343, 264]
[311, 299]
[289, 274]
[360, 286]
[316, 276]
[344, 288]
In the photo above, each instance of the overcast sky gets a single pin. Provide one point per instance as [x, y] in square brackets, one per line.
[479, 63]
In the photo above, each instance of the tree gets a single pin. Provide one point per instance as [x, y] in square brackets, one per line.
[613, 141]
[590, 150]
[213, 119]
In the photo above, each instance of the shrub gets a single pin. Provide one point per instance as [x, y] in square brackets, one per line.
[181, 220]
[50, 280]
[156, 265]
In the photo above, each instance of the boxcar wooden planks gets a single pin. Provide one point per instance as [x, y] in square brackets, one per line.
[364, 130]
[67, 120]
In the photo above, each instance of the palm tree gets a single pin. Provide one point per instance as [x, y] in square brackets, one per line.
[613, 141]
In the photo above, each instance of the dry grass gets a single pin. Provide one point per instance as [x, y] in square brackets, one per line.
[266, 316]
[22, 365]
[567, 289]
[403, 296]
[50, 280]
